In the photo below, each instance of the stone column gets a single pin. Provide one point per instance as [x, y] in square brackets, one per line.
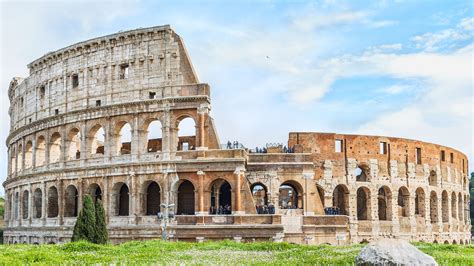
[61, 200]
[395, 216]
[307, 177]
[135, 140]
[238, 173]
[44, 202]
[33, 152]
[84, 143]
[202, 111]
[201, 210]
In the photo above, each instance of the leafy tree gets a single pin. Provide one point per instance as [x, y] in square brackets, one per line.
[85, 227]
[101, 226]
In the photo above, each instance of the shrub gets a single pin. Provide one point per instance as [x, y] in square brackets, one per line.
[85, 227]
[101, 226]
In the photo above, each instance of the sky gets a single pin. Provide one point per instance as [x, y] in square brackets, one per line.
[392, 68]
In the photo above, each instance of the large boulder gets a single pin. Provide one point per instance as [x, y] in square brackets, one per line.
[393, 252]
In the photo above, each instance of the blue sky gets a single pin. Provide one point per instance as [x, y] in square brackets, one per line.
[396, 68]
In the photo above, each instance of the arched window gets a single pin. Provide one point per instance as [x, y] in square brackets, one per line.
[123, 201]
[362, 173]
[289, 196]
[340, 199]
[153, 199]
[186, 198]
[433, 207]
[55, 148]
[95, 192]
[460, 208]
[403, 202]
[444, 207]
[29, 155]
[124, 138]
[453, 205]
[363, 204]
[74, 143]
[259, 193]
[71, 202]
[221, 197]
[433, 178]
[40, 153]
[186, 134]
[25, 204]
[420, 202]
[37, 203]
[13, 161]
[97, 140]
[20, 158]
[384, 199]
[17, 206]
[154, 137]
[53, 209]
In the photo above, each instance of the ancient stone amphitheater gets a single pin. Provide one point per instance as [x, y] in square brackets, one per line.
[103, 117]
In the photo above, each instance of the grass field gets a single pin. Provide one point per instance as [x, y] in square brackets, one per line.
[224, 252]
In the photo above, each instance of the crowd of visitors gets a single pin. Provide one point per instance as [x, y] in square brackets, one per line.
[332, 211]
[226, 209]
[265, 209]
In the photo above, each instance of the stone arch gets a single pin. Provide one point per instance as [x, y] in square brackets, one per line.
[29, 155]
[221, 197]
[186, 201]
[152, 198]
[321, 193]
[123, 136]
[13, 160]
[71, 202]
[444, 207]
[453, 205]
[154, 135]
[25, 204]
[460, 208]
[420, 202]
[122, 199]
[97, 139]
[403, 202]
[74, 144]
[384, 202]
[363, 204]
[433, 207]
[186, 133]
[454, 242]
[340, 199]
[290, 195]
[40, 152]
[362, 172]
[53, 207]
[37, 203]
[19, 161]
[95, 192]
[55, 148]
[260, 195]
[433, 178]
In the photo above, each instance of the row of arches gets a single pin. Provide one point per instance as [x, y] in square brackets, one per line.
[43, 150]
[384, 204]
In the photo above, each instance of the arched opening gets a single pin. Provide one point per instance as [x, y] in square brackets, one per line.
[433, 178]
[289, 196]
[71, 202]
[74, 144]
[19, 166]
[37, 203]
[124, 138]
[186, 134]
[260, 198]
[435, 242]
[362, 173]
[403, 202]
[29, 155]
[384, 199]
[221, 197]
[460, 208]
[153, 200]
[13, 161]
[55, 148]
[53, 209]
[363, 204]
[444, 207]
[154, 136]
[123, 200]
[433, 207]
[320, 193]
[97, 140]
[453, 206]
[420, 202]
[17, 206]
[95, 192]
[340, 199]
[40, 153]
[185, 198]
[25, 205]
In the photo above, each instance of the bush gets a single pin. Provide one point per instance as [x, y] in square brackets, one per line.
[85, 227]
[101, 226]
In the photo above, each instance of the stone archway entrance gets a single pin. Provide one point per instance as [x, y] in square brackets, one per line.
[185, 198]
[221, 197]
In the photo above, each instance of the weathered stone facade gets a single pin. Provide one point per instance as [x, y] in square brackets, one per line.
[66, 140]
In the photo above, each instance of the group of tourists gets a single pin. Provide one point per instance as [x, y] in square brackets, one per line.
[232, 145]
[265, 150]
[332, 211]
[265, 209]
[226, 209]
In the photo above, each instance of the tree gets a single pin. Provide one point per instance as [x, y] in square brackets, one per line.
[101, 226]
[85, 227]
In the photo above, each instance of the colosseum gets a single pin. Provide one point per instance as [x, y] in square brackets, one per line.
[102, 118]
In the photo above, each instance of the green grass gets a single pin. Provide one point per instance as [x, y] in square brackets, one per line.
[223, 252]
